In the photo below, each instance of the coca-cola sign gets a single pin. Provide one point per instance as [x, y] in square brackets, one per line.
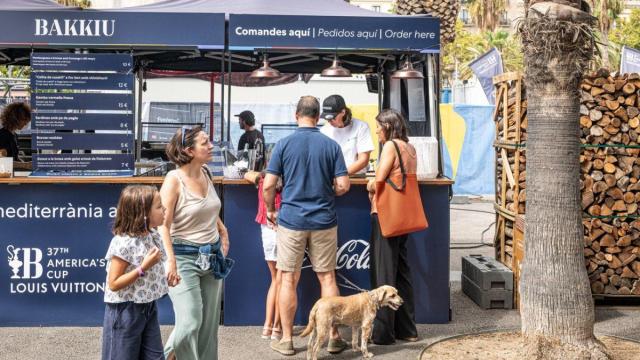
[353, 254]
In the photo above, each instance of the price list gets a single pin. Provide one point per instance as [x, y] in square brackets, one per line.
[82, 117]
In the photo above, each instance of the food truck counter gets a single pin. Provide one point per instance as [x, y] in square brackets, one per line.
[160, 179]
[57, 230]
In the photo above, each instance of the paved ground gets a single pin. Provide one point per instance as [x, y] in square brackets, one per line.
[468, 221]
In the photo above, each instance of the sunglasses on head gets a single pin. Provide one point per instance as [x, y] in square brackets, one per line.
[184, 130]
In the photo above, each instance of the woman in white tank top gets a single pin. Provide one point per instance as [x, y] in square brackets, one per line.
[192, 221]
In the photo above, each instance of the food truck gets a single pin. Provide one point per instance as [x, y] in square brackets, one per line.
[88, 70]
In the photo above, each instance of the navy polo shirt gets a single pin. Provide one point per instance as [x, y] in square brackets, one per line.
[308, 162]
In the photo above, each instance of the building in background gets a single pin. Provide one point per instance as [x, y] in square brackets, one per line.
[628, 6]
[507, 19]
[108, 4]
[384, 6]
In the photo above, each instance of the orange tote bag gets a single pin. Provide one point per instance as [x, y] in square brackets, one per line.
[400, 207]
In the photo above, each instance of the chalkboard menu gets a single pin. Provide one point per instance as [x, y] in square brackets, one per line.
[82, 121]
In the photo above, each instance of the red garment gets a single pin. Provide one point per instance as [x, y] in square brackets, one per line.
[261, 217]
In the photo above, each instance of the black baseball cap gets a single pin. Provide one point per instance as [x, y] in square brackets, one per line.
[331, 106]
[247, 116]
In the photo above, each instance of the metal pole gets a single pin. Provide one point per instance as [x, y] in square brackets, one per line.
[229, 101]
[222, 98]
[435, 60]
[433, 96]
[212, 81]
[139, 116]
[379, 87]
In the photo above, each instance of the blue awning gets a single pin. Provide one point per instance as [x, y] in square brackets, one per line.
[190, 34]
[44, 24]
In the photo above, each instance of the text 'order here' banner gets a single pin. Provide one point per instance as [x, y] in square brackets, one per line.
[248, 32]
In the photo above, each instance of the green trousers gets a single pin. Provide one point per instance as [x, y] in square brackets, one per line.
[196, 305]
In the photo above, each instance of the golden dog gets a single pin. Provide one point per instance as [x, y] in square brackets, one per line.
[357, 311]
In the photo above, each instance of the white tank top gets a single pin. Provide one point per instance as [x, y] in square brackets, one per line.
[195, 218]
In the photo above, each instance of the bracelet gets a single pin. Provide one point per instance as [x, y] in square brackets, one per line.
[140, 271]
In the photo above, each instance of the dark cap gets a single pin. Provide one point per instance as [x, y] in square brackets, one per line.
[331, 106]
[248, 117]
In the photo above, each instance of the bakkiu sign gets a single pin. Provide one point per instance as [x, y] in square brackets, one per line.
[75, 27]
[111, 29]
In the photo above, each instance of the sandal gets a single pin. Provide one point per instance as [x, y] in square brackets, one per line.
[266, 333]
[276, 333]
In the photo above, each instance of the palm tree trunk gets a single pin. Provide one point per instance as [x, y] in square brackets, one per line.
[605, 50]
[556, 298]
[556, 304]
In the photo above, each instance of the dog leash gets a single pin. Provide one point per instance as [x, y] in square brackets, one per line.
[349, 284]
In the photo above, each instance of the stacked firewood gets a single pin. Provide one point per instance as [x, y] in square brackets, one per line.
[510, 119]
[510, 148]
[609, 180]
[515, 203]
[610, 161]
[446, 11]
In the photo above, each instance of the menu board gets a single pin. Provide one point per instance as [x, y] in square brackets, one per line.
[82, 121]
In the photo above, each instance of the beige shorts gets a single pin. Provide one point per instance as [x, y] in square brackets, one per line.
[321, 246]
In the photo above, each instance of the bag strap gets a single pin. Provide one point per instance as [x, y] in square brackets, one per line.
[208, 172]
[404, 173]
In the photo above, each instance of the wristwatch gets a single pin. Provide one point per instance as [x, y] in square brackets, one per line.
[140, 271]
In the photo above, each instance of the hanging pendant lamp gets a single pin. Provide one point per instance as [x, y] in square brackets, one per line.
[265, 71]
[407, 71]
[336, 70]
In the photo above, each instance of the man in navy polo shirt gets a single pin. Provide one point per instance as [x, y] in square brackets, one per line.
[313, 173]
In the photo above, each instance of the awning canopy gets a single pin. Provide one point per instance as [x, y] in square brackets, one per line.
[32, 5]
[301, 36]
[289, 30]
[42, 25]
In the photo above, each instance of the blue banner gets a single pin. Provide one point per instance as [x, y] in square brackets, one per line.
[82, 121]
[485, 68]
[89, 141]
[80, 81]
[629, 61]
[76, 162]
[81, 101]
[475, 169]
[428, 256]
[54, 241]
[124, 30]
[81, 62]
[248, 32]
[55, 237]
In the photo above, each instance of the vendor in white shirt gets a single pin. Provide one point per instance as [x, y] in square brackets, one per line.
[351, 134]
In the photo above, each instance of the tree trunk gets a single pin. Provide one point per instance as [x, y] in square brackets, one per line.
[490, 16]
[556, 304]
[605, 50]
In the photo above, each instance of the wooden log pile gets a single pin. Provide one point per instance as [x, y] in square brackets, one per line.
[446, 11]
[610, 186]
[609, 179]
[510, 119]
